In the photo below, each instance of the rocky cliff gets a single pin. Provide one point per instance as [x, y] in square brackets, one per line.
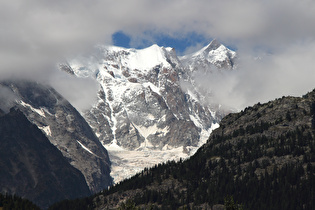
[146, 98]
[32, 167]
[141, 99]
[64, 127]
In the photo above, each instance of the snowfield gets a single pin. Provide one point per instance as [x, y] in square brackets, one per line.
[126, 163]
[144, 115]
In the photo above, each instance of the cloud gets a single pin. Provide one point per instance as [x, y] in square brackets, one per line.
[7, 99]
[51, 29]
[80, 92]
[36, 34]
[193, 48]
[264, 78]
[244, 22]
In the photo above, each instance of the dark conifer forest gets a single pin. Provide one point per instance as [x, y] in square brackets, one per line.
[13, 202]
[260, 158]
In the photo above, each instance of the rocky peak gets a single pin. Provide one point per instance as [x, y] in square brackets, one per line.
[214, 44]
[215, 55]
[141, 102]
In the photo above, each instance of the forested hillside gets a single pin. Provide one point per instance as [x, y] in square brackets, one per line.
[264, 157]
[12, 202]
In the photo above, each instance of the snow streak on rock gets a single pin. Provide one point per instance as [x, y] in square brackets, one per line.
[143, 111]
[65, 128]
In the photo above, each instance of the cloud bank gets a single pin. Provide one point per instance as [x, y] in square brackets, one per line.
[260, 79]
[36, 34]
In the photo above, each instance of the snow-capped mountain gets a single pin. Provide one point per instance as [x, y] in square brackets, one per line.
[143, 110]
[212, 54]
[65, 128]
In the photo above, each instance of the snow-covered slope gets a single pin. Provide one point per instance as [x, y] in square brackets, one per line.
[143, 109]
[212, 54]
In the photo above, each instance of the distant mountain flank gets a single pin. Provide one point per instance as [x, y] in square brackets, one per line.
[65, 128]
[32, 167]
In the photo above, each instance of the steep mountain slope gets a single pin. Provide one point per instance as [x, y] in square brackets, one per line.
[263, 156]
[32, 167]
[64, 126]
[142, 105]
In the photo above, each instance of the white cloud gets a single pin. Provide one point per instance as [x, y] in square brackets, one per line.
[36, 34]
[80, 92]
[7, 99]
[288, 72]
[192, 49]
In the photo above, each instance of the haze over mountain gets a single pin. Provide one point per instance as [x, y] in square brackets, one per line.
[36, 35]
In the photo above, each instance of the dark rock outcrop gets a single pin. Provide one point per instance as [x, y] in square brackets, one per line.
[65, 128]
[32, 167]
[142, 100]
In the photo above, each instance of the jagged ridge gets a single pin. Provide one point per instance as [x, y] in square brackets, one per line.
[142, 104]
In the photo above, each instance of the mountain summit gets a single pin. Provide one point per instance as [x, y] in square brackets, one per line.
[142, 105]
[214, 53]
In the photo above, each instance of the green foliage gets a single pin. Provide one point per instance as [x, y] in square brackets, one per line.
[129, 205]
[12, 202]
[78, 204]
[229, 204]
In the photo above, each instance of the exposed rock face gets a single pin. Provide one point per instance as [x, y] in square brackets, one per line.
[66, 129]
[147, 97]
[32, 167]
[141, 100]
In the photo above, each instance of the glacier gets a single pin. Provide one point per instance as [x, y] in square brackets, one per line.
[144, 114]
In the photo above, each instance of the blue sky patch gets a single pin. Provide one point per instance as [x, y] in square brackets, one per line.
[120, 39]
[180, 43]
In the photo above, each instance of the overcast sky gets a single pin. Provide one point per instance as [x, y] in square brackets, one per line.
[36, 34]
